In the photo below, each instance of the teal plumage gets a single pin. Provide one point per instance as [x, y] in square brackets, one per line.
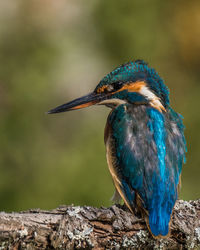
[144, 139]
[149, 150]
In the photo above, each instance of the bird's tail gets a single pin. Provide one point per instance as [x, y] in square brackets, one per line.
[158, 222]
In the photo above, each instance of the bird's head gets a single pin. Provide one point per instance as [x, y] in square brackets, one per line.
[133, 82]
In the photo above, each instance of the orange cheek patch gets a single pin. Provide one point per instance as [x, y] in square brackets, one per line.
[85, 105]
[136, 87]
[133, 86]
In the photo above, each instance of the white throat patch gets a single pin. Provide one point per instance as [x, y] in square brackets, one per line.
[154, 100]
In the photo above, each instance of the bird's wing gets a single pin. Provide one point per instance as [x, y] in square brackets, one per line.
[147, 155]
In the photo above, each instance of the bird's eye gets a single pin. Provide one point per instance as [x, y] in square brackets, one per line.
[118, 85]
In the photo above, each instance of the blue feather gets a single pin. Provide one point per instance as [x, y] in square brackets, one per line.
[156, 124]
[149, 148]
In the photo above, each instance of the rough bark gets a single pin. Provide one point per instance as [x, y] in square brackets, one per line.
[69, 227]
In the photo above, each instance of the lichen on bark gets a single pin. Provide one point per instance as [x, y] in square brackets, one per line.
[70, 227]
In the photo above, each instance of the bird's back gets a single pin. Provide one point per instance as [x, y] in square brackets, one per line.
[145, 152]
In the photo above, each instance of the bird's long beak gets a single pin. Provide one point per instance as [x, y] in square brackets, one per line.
[82, 102]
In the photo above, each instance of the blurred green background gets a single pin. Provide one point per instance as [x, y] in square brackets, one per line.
[54, 51]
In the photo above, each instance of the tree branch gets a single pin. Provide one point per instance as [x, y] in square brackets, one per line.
[69, 227]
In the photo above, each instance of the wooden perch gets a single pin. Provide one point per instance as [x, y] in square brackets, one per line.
[69, 227]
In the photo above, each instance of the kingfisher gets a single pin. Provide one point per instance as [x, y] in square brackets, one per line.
[144, 139]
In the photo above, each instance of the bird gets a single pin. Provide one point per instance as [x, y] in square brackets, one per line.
[144, 139]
